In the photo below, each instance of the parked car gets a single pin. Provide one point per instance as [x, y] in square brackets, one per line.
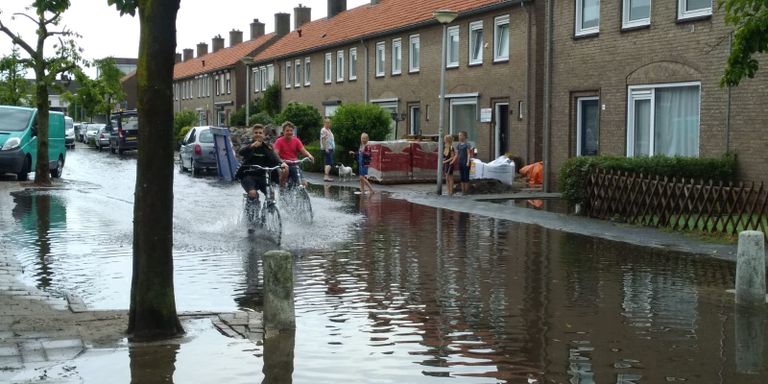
[18, 141]
[124, 133]
[69, 132]
[79, 132]
[90, 132]
[196, 152]
[102, 137]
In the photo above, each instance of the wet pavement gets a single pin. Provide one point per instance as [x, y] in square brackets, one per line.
[401, 286]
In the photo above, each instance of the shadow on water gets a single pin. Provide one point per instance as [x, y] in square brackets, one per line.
[152, 363]
[278, 358]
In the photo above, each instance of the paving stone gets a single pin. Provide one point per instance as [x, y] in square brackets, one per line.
[8, 350]
[11, 362]
[68, 343]
[32, 352]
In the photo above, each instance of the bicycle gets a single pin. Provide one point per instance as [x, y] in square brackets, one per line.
[265, 215]
[295, 196]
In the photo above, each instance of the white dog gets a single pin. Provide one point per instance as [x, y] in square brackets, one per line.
[345, 173]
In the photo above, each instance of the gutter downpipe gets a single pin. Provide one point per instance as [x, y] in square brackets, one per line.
[547, 96]
[728, 105]
[365, 62]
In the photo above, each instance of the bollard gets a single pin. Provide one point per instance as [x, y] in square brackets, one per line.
[279, 314]
[750, 269]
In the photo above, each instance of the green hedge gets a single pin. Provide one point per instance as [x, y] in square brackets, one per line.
[339, 156]
[575, 171]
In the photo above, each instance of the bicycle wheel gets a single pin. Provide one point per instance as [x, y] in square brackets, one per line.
[251, 213]
[272, 223]
[303, 205]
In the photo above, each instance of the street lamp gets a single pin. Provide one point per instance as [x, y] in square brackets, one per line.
[444, 17]
[397, 117]
[247, 61]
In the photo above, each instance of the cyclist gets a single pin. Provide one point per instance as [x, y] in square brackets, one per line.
[257, 153]
[288, 147]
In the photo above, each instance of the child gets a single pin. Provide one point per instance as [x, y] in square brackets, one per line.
[449, 159]
[363, 160]
[464, 158]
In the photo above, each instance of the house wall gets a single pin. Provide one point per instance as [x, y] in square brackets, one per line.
[227, 101]
[667, 51]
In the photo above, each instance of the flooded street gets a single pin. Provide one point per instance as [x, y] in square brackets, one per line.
[388, 291]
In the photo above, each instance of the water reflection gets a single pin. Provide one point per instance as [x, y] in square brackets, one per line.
[278, 358]
[152, 363]
[750, 339]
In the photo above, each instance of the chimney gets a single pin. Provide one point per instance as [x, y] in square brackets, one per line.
[301, 16]
[335, 7]
[257, 29]
[217, 43]
[177, 57]
[202, 49]
[188, 53]
[282, 23]
[235, 37]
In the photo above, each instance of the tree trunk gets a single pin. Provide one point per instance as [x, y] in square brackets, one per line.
[42, 172]
[153, 305]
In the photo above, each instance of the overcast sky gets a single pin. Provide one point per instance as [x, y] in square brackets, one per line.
[105, 33]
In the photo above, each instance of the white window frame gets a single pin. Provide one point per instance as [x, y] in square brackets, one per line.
[256, 76]
[381, 58]
[397, 56]
[288, 74]
[414, 61]
[627, 23]
[328, 67]
[452, 31]
[340, 66]
[682, 14]
[307, 72]
[498, 22]
[228, 80]
[297, 73]
[270, 77]
[353, 64]
[648, 92]
[475, 26]
[579, 128]
[580, 30]
[217, 84]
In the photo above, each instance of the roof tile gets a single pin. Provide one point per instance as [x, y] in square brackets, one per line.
[222, 58]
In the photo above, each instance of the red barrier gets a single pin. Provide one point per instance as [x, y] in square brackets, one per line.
[423, 161]
[390, 161]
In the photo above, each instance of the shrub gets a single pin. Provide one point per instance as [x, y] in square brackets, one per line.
[305, 117]
[574, 173]
[183, 119]
[262, 118]
[270, 103]
[180, 135]
[339, 156]
[351, 120]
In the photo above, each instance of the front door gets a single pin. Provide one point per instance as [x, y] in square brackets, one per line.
[501, 129]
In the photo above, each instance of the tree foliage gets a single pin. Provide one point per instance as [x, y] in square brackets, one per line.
[14, 87]
[305, 117]
[271, 100]
[351, 120]
[47, 69]
[750, 37]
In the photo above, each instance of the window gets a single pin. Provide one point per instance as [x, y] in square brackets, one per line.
[353, 64]
[229, 82]
[328, 67]
[397, 56]
[216, 85]
[693, 8]
[452, 54]
[463, 115]
[306, 71]
[270, 75]
[636, 13]
[413, 54]
[501, 38]
[663, 120]
[339, 66]
[288, 73]
[476, 42]
[414, 119]
[297, 73]
[587, 17]
[587, 124]
[380, 59]
[256, 76]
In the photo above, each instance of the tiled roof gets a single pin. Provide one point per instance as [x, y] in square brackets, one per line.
[128, 76]
[225, 57]
[367, 20]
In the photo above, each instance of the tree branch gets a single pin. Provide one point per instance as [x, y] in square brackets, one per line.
[17, 40]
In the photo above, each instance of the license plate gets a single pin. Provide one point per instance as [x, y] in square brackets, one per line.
[133, 138]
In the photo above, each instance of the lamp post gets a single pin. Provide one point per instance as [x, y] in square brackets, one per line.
[397, 117]
[247, 61]
[444, 17]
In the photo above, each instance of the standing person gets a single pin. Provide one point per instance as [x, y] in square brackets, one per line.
[363, 155]
[257, 153]
[327, 145]
[449, 160]
[288, 147]
[464, 157]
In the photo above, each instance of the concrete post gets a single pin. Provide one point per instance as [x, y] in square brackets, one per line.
[279, 313]
[750, 269]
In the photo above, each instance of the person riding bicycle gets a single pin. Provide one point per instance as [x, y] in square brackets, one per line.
[288, 147]
[257, 153]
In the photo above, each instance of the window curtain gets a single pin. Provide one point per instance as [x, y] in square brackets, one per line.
[639, 9]
[590, 14]
[642, 127]
[503, 49]
[677, 121]
[693, 5]
[464, 119]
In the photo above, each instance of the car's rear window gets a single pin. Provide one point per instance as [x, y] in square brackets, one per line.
[14, 119]
[206, 136]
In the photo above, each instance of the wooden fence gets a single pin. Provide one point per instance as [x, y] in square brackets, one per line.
[677, 204]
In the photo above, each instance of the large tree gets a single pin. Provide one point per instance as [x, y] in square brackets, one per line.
[65, 59]
[98, 96]
[750, 37]
[14, 87]
[153, 305]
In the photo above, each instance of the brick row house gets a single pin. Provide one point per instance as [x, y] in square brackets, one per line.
[542, 80]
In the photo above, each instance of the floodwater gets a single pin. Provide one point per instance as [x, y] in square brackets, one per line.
[389, 292]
